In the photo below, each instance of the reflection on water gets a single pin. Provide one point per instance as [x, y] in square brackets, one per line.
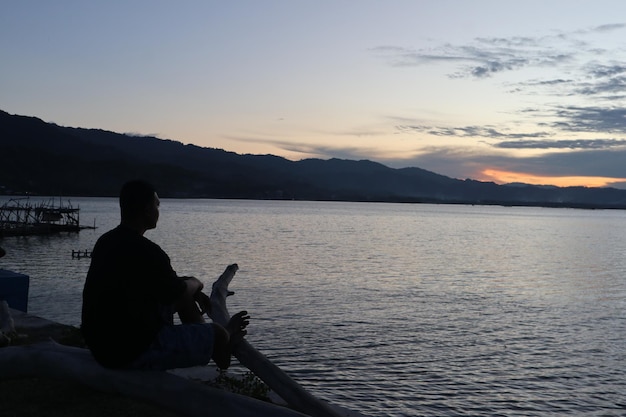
[394, 309]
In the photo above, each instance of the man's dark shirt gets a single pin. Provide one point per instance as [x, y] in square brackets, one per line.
[129, 286]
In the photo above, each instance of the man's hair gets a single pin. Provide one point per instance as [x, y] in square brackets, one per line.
[135, 196]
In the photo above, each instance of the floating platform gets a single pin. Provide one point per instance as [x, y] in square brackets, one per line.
[79, 254]
[20, 217]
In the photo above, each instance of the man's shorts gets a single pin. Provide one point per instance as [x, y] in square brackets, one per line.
[178, 346]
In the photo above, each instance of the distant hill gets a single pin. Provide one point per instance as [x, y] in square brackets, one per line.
[46, 159]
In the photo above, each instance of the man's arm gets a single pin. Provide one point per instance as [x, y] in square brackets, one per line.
[186, 306]
[203, 300]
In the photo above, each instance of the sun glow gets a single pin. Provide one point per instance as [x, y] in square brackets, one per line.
[504, 177]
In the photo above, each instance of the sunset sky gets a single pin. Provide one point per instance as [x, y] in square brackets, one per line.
[503, 91]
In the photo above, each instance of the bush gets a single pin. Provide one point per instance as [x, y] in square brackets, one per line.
[248, 384]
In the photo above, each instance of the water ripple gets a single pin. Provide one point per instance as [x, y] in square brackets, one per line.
[398, 310]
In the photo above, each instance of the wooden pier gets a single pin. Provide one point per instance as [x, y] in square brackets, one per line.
[20, 217]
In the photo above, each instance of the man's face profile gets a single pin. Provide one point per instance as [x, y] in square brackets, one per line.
[152, 212]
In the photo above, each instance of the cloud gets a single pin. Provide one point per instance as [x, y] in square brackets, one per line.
[595, 80]
[585, 158]
[599, 157]
[592, 162]
[608, 27]
[485, 57]
[584, 79]
[593, 74]
[607, 71]
[310, 150]
[465, 162]
[469, 131]
[594, 158]
[590, 119]
[563, 144]
[143, 135]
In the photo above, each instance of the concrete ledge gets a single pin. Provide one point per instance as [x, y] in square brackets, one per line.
[14, 289]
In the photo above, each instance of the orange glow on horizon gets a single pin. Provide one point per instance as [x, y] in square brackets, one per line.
[504, 177]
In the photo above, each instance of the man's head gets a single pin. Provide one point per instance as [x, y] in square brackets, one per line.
[139, 204]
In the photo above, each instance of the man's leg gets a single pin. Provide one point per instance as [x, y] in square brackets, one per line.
[179, 346]
[224, 338]
[227, 337]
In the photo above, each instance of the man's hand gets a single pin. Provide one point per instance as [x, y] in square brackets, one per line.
[194, 285]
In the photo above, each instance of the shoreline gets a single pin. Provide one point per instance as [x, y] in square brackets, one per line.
[37, 396]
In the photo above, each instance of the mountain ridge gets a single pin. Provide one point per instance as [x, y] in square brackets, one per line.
[47, 159]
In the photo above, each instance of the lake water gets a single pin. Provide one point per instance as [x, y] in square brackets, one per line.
[396, 309]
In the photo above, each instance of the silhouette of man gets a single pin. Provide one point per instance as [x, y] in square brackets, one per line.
[131, 294]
